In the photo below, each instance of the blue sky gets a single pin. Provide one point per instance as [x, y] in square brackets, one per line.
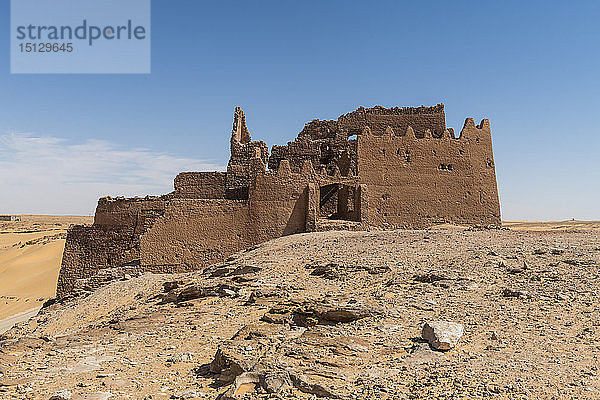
[532, 68]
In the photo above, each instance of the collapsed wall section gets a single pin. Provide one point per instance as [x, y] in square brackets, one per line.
[243, 151]
[89, 249]
[138, 213]
[323, 144]
[200, 185]
[113, 239]
[331, 145]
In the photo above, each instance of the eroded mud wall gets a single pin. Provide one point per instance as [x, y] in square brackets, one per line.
[194, 233]
[415, 182]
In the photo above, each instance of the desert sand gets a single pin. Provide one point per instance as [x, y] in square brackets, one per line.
[571, 225]
[30, 256]
[332, 315]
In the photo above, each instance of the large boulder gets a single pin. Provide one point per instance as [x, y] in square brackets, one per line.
[442, 335]
[62, 395]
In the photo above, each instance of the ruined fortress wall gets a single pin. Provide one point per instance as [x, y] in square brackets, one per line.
[278, 204]
[243, 150]
[403, 169]
[194, 233]
[113, 240]
[129, 212]
[320, 142]
[239, 163]
[326, 143]
[416, 182]
[399, 119]
[89, 249]
[200, 185]
[10, 218]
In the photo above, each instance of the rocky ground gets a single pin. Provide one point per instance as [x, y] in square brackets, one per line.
[332, 315]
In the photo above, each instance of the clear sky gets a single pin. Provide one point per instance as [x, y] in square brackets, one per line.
[532, 68]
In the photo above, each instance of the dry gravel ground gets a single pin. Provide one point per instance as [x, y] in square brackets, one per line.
[332, 315]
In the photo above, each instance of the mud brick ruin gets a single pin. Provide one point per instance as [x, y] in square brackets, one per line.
[373, 167]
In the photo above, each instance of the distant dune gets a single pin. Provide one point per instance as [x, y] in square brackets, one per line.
[572, 225]
[30, 257]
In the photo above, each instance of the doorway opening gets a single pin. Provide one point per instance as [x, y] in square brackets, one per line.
[338, 202]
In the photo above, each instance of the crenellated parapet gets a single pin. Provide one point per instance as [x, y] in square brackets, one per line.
[418, 180]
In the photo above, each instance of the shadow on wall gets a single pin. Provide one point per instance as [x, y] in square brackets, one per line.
[297, 220]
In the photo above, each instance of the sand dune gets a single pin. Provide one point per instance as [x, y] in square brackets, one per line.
[30, 257]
